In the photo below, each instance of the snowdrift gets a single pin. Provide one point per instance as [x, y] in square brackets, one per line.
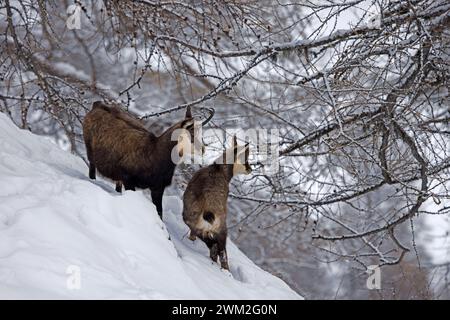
[63, 236]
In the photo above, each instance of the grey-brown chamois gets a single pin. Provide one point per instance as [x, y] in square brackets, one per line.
[205, 200]
[120, 147]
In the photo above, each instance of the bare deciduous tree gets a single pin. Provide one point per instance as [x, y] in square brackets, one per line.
[362, 109]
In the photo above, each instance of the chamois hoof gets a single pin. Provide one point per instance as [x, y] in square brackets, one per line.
[192, 237]
[225, 267]
[92, 172]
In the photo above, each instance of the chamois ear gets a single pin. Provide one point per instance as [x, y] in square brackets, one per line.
[247, 150]
[235, 141]
[235, 149]
[188, 113]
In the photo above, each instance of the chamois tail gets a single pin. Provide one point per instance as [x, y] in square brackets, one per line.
[209, 217]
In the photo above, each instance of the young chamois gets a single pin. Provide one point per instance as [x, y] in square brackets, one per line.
[205, 200]
[122, 149]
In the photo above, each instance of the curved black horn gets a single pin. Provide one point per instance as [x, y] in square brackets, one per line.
[211, 114]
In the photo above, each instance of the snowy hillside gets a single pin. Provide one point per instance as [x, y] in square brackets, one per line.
[56, 224]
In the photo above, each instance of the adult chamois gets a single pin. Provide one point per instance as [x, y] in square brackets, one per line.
[205, 200]
[120, 147]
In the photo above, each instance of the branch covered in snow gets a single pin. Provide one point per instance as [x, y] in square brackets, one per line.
[361, 105]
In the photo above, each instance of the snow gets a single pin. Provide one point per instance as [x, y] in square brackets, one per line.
[56, 225]
[435, 236]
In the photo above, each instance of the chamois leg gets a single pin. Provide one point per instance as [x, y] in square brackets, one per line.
[214, 252]
[192, 236]
[223, 257]
[213, 248]
[90, 159]
[92, 171]
[157, 196]
[119, 186]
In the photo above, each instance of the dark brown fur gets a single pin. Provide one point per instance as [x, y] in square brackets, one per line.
[205, 202]
[122, 149]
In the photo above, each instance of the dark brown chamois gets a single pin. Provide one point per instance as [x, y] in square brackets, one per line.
[120, 147]
[205, 200]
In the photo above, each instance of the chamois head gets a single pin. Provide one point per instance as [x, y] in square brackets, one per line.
[185, 142]
[187, 133]
[238, 157]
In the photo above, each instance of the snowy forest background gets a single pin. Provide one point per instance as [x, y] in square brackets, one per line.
[358, 90]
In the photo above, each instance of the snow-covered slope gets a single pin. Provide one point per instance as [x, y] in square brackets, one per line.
[58, 227]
